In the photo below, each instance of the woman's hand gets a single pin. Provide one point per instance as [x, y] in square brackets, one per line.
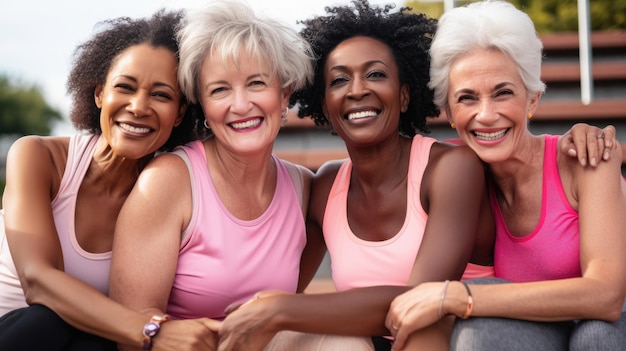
[587, 142]
[249, 326]
[416, 309]
[189, 334]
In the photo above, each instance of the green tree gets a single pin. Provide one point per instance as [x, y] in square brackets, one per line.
[551, 15]
[23, 109]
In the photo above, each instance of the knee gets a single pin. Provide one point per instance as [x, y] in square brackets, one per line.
[597, 335]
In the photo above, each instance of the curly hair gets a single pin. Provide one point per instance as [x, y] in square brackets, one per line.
[94, 58]
[409, 36]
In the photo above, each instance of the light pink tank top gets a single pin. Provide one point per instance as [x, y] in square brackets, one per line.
[224, 259]
[552, 250]
[360, 263]
[90, 268]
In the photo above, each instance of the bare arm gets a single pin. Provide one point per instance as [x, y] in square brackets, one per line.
[600, 196]
[362, 311]
[32, 177]
[146, 245]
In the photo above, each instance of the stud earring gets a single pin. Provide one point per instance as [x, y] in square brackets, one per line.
[453, 126]
[530, 115]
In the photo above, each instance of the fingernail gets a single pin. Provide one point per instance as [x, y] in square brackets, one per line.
[593, 161]
[583, 162]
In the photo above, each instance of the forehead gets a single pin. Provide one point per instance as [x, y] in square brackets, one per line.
[360, 49]
[485, 65]
[144, 59]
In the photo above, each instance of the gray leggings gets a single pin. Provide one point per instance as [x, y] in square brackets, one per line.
[486, 334]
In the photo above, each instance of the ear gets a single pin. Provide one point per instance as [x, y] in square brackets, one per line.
[405, 97]
[533, 102]
[181, 114]
[445, 113]
[285, 95]
[97, 95]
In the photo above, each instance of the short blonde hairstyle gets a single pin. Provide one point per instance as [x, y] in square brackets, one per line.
[225, 28]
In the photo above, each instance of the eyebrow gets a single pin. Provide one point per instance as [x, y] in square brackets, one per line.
[366, 64]
[158, 84]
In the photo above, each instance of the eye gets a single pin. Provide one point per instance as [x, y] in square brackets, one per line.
[503, 92]
[376, 74]
[465, 98]
[257, 83]
[337, 80]
[162, 95]
[124, 86]
[218, 90]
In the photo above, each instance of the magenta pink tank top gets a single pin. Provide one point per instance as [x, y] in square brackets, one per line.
[224, 259]
[552, 250]
[360, 263]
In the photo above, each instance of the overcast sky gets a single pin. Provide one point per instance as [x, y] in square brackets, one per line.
[38, 37]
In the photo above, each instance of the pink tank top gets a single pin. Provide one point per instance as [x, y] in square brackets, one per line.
[224, 259]
[360, 263]
[552, 250]
[91, 268]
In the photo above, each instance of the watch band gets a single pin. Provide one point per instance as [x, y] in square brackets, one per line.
[151, 329]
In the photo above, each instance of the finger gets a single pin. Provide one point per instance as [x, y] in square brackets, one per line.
[595, 145]
[212, 324]
[609, 141]
[233, 307]
[580, 146]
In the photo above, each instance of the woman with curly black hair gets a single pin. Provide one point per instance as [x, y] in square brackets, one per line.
[63, 194]
[403, 209]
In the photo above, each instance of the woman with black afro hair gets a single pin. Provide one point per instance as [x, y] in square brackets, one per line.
[403, 209]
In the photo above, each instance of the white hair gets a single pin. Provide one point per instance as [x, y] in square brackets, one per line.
[492, 25]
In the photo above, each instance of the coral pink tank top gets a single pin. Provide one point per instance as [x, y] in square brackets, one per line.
[360, 263]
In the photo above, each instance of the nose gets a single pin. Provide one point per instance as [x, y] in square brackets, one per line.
[139, 104]
[241, 102]
[486, 114]
[358, 89]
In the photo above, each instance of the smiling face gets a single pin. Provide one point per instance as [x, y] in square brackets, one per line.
[140, 101]
[363, 96]
[488, 102]
[242, 103]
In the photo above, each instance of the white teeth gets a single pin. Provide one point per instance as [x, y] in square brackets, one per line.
[490, 136]
[132, 129]
[247, 124]
[361, 114]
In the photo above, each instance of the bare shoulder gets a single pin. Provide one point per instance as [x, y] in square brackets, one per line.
[454, 157]
[320, 188]
[40, 147]
[167, 172]
[38, 156]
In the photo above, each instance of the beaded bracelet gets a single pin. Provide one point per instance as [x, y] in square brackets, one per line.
[470, 302]
[443, 297]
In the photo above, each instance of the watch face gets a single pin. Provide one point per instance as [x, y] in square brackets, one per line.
[151, 329]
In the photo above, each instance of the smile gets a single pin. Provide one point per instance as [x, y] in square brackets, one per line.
[490, 136]
[251, 123]
[361, 114]
[132, 129]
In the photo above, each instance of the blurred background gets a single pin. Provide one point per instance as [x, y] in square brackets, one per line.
[38, 37]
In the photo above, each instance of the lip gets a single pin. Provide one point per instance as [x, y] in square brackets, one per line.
[246, 124]
[363, 113]
[134, 128]
[492, 135]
